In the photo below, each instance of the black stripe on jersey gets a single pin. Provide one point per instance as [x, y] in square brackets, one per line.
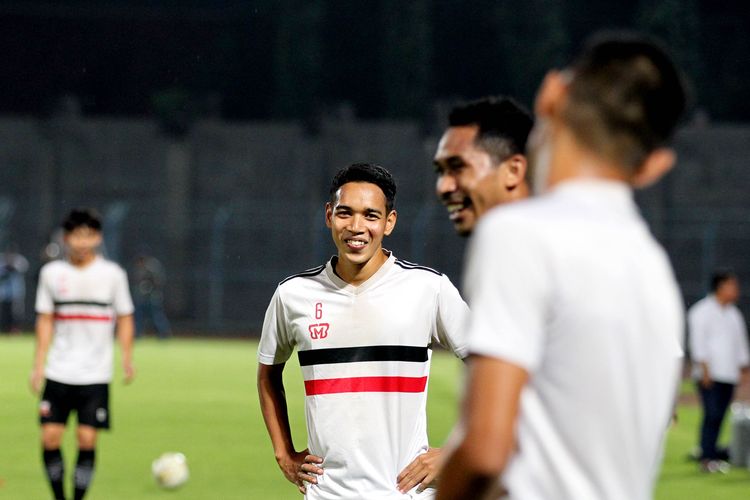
[305, 274]
[81, 303]
[407, 353]
[410, 265]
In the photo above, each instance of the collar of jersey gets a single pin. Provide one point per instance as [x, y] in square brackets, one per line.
[371, 281]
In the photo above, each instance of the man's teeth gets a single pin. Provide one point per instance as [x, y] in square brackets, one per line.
[355, 243]
[454, 207]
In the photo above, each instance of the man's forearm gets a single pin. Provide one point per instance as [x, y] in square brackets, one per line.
[460, 480]
[125, 334]
[274, 409]
[44, 329]
[485, 437]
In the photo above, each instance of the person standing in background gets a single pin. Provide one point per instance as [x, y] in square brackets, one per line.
[719, 351]
[13, 267]
[81, 303]
[148, 295]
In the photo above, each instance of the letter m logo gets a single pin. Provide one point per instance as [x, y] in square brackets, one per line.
[318, 331]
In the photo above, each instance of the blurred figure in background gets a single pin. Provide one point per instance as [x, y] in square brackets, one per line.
[82, 303]
[148, 295]
[719, 350]
[13, 267]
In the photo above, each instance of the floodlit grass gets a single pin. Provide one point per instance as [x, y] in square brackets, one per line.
[198, 397]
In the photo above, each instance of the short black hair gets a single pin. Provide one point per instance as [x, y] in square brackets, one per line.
[626, 96]
[82, 217]
[720, 276]
[366, 172]
[504, 125]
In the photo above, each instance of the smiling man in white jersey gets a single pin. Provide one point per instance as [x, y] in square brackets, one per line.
[577, 320]
[363, 326]
[80, 302]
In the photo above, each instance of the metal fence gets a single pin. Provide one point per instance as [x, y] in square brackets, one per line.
[233, 208]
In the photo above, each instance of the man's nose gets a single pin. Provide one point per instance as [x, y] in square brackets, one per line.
[446, 183]
[355, 223]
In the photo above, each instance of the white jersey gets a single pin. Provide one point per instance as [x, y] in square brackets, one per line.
[85, 302]
[365, 357]
[718, 337]
[573, 288]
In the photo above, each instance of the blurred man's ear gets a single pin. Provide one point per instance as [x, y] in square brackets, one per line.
[552, 94]
[657, 164]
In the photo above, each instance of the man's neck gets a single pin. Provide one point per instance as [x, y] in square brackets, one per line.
[571, 160]
[723, 302]
[83, 261]
[356, 274]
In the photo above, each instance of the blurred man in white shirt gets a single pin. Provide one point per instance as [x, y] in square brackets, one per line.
[719, 350]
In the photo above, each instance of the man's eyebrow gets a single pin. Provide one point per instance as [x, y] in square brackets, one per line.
[454, 161]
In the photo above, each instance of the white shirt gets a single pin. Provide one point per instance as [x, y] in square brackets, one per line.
[85, 302]
[718, 337]
[365, 357]
[572, 288]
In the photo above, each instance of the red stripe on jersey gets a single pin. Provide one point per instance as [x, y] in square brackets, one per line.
[365, 384]
[81, 317]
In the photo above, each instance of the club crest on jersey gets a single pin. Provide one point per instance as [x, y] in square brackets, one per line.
[318, 330]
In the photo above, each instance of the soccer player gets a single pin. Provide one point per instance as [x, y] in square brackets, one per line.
[80, 302]
[363, 325]
[480, 161]
[576, 319]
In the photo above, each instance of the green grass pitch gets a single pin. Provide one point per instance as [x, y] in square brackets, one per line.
[199, 397]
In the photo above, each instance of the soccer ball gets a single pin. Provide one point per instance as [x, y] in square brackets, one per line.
[170, 470]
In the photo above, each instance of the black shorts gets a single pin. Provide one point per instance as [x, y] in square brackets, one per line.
[90, 402]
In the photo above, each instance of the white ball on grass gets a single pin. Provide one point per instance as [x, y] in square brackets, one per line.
[170, 470]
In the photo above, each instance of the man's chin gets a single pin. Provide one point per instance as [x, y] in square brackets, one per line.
[463, 228]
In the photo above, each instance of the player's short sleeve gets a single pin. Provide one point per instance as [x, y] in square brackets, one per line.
[452, 318]
[276, 344]
[122, 302]
[507, 289]
[45, 303]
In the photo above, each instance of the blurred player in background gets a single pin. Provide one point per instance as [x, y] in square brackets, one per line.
[13, 267]
[148, 293]
[480, 161]
[576, 319]
[363, 325]
[80, 302]
[719, 351]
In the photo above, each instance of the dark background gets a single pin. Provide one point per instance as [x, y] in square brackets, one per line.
[207, 132]
[293, 58]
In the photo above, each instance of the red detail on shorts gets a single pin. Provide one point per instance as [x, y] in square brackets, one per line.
[81, 317]
[365, 384]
